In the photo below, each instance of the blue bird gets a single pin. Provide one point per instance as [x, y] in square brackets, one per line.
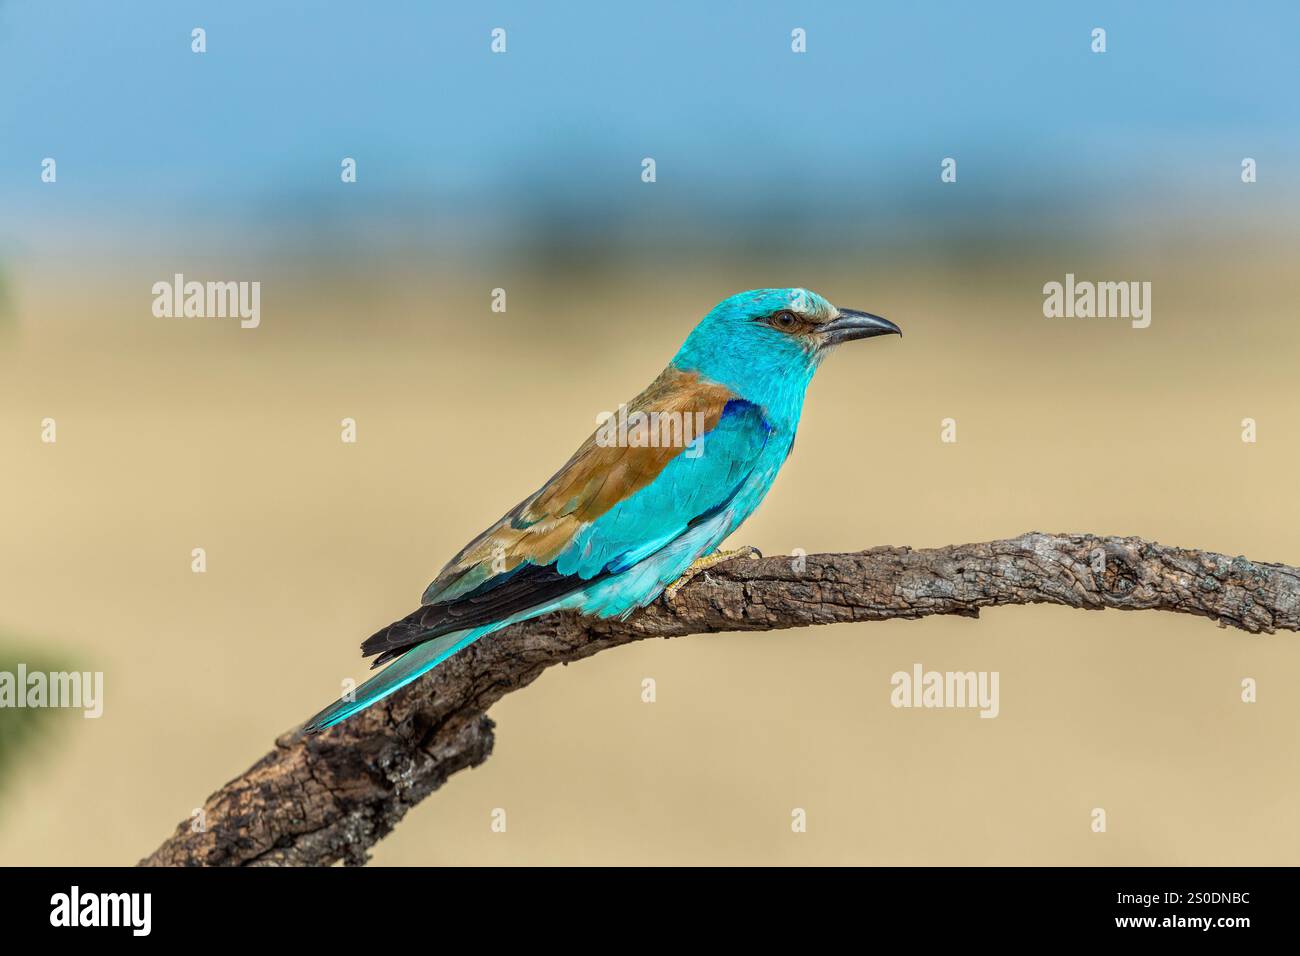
[645, 501]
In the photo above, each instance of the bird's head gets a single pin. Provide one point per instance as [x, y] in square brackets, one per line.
[766, 344]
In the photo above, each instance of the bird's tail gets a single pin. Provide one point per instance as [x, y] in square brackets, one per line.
[419, 660]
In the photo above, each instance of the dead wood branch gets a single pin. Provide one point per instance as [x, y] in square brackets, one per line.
[318, 800]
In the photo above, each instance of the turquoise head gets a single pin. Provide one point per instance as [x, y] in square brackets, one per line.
[765, 344]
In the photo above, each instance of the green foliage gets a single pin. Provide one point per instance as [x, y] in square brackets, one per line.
[20, 728]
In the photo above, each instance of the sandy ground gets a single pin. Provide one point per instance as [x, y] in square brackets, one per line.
[175, 434]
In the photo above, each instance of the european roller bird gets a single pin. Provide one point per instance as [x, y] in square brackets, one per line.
[630, 515]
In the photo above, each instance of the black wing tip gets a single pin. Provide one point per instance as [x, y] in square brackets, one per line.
[389, 655]
[525, 587]
[399, 632]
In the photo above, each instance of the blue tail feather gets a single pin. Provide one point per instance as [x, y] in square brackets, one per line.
[415, 662]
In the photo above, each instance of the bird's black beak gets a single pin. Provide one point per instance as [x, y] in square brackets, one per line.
[851, 324]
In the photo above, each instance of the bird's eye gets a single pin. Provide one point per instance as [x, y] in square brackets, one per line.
[785, 320]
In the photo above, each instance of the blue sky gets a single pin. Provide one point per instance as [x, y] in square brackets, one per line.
[254, 129]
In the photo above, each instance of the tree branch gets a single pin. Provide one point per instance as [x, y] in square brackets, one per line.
[318, 800]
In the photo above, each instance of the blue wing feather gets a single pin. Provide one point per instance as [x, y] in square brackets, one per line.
[614, 564]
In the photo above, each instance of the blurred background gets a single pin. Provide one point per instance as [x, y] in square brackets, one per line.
[523, 171]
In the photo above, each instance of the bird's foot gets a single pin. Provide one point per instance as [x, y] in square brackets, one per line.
[700, 565]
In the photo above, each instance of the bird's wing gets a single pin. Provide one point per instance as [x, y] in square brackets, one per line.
[608, 508]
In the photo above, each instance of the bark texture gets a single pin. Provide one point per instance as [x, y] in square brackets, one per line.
[318, 800]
